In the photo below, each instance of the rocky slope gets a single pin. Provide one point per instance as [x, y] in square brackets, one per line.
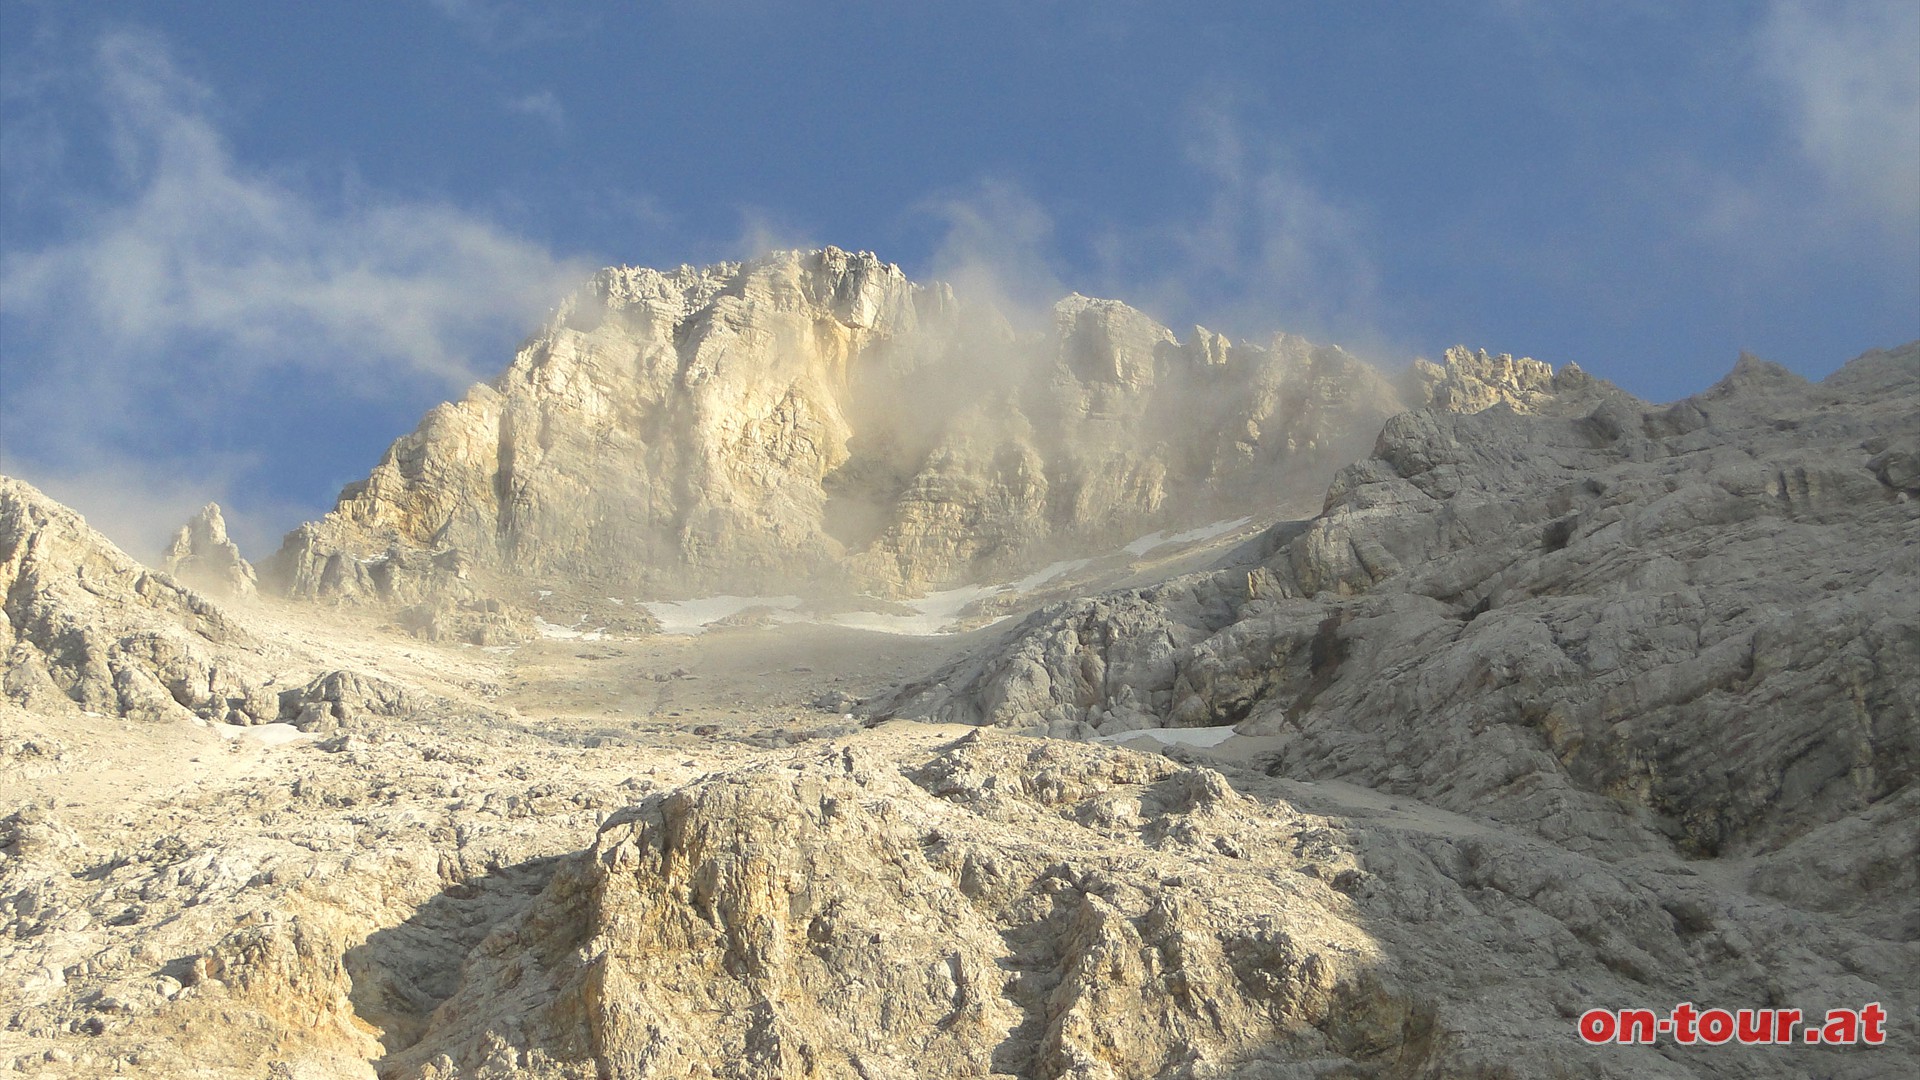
[90, 627]
[815, 422]
[1610, 624]
[1562, 701]
[1510, 627]
[409, 899]
[92, 631]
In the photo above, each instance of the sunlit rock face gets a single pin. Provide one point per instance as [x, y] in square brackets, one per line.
[815, 421]
[91, 629]
[1616, 624]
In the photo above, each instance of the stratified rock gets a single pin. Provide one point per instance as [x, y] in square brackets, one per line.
[1615, 625]
[1006, 907]
[813, 422]
[848, 913]
[89, 624]
[1470, 381]
[469, 621]
[203, 557]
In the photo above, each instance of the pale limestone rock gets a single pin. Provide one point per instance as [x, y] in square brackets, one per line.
[1471, 382]
[1630, 691]
[203, 558]
[899, 904]
[815, 422]
[1617, 626]
[89, 624]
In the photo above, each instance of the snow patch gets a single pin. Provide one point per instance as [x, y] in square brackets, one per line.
[1184, 736]
[567, 633]
[934, 613]
[1048, 573]
[695, 616]
[1204, 532]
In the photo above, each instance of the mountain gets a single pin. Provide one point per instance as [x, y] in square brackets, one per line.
[815, 422]
[203, 556]
[92, 627]
[1548, 700]
[1616, 625]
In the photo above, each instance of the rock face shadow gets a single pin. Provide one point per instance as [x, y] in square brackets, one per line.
[402, 974]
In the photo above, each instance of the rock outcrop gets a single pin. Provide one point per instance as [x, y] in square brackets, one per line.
[813, 422]
[899, 903]
[847, 913]
[202, 557]
[89, 625]
[438, 888]
[1561, 701]
[1614, 625]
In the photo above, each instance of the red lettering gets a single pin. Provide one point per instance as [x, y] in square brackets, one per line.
[1751, 1027]
[1755, 1026]
[1716, 1026]
[1636, 1026]
[1874, 1019]
[1683, 1017]
[1843, 1027]
[1597, 1026]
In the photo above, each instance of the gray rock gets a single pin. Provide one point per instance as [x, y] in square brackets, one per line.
[1593, 621]
[90, 625]
[202, 557]
[344, 698]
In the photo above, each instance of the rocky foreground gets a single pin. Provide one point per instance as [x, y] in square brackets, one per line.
[1563, 701]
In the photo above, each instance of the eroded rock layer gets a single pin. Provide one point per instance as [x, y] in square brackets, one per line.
[907, 902]
[204, 558]
[1603, 621]
[90, 627]
[813, 421]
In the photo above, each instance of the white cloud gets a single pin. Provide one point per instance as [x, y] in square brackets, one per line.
[1267, 248]
[995, 250]
[1850, 75]
[197, 277]
[497, 23]
[206, 250]
[1264, 249]
[1291, 251]
[139, 503]
[543, 106]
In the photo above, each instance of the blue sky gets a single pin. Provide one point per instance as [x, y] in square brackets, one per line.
[245, 245]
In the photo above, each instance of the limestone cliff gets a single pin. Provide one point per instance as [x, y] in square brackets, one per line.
[814, 421]
[1610, 623]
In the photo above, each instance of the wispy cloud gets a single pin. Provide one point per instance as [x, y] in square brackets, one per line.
[196, 277]
[996, 249]
[1271, 249]
[140, 502]
[1264, 248]
[1849, 74]
[508, 24]
[542, 105]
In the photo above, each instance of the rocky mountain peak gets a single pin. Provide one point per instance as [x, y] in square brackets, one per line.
[814, 421]
[1567, 703]
[204, 558]
[1469, 381]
